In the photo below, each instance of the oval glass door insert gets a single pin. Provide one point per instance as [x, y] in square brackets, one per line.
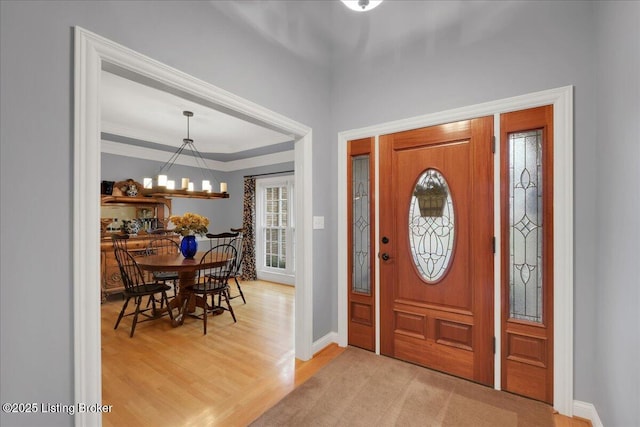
[431, 225]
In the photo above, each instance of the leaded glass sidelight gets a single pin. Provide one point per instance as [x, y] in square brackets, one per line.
[431, 225]
[361, 280]
[525, 225]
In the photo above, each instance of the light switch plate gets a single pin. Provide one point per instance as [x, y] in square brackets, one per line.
[318, 222]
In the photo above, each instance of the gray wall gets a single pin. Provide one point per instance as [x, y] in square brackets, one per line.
[36, 132]
[504, 49]
[617, 289]
[223, 214]
[495, 50]
[118, 168]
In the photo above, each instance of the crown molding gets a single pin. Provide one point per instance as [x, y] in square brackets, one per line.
[140, 134]
[160, 138]
[120, 149]
[258, 161]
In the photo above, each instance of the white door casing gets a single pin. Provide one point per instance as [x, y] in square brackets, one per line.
[562, 101]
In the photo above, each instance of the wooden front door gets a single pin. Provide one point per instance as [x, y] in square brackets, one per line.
[436, 269]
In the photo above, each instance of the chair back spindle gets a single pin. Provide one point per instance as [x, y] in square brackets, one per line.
[218, 276]
[163, 245]
[234, 238]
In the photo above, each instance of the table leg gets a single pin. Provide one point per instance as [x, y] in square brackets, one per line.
[184, 301]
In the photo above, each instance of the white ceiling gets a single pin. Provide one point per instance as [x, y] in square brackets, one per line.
[319, 31]
[326, 32]
[134, 110]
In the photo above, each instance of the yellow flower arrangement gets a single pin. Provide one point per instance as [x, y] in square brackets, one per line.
[189, 224]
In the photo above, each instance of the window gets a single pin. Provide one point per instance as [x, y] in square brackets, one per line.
[275, 229]
[526, 225]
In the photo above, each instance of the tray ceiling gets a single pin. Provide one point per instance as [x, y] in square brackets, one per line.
[137, 114]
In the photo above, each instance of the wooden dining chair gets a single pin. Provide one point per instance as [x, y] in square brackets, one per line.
[164, 245]
[136, 288]
[225, 238]
[120, 241]
[237, 271]
[214, 281]
[233, 238]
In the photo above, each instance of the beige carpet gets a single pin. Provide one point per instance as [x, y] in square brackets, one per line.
[359, 388]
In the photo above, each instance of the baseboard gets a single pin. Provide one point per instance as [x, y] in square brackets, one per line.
[283, 279]
[330, 338]
[588, 411]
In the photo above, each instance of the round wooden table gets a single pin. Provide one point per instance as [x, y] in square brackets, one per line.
[186, 268]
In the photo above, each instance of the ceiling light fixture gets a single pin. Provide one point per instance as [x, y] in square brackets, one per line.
[166, 187]
[361, 5]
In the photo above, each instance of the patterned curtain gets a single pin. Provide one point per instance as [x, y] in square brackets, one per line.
[249, 225]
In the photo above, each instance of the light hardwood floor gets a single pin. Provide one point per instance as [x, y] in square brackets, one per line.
[167, 376]
[562, 421]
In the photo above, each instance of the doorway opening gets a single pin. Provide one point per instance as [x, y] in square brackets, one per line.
[91, 52]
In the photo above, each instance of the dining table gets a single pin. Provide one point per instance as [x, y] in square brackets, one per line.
[187, 268]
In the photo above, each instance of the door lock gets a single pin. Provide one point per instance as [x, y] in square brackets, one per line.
[385, 240]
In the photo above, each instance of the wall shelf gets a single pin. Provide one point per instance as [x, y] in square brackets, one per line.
[161, 192]
[148, 200]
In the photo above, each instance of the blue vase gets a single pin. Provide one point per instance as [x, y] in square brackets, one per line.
[189, 246]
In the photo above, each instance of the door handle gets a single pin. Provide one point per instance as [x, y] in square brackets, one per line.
[385, 256]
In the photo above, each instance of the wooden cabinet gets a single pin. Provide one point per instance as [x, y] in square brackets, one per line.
[110, 272]
[152, 212]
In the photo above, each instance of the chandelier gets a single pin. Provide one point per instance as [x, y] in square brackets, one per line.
[361, 5]
[167, 187]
